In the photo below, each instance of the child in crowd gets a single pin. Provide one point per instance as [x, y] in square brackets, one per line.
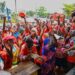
[60, 56]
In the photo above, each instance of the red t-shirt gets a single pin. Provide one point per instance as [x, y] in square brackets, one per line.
[27, 32]
[24, 50]
[57, 27]
[62, 29]
[73, 27]
[71, 59]
[7, 60]
[50, 28]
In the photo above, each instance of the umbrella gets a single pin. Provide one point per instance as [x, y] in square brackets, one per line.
[21, 14]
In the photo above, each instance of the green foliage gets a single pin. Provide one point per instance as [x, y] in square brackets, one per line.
[68, 8]
[42, 12]
[13, 16]
[30, 13]
[8, 11]
[13, 21]
[2, 6]
[1, 21]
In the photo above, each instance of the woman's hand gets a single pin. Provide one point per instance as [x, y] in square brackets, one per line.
[65, 51]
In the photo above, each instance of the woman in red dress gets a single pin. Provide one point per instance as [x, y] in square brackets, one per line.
[7, 54]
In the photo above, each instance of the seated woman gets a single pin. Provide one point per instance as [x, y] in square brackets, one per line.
[7, 55]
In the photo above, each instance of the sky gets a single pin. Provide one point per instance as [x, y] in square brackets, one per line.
[50, 5]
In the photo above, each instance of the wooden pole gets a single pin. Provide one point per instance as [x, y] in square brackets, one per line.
[58, 20]
[4, 22]
[64, 20]
[16, 10]
[25, 21]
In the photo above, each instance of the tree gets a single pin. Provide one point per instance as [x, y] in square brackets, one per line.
[8, 11]
[2, 7]
[30, 13]
[13, 16]
[41, 12]
[68, 8]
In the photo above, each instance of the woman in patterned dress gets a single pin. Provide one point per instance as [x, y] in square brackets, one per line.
[48, 51]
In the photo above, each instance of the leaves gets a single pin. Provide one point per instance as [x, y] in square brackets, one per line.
[8, 11]
[42, 12]
[13, 16]
[2, 6]
[68, 8]
[30, 13]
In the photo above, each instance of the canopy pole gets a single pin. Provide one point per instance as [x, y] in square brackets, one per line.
[16, 10]
[4, 22]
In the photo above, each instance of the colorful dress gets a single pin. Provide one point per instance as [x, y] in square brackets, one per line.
[15, 55]
[48, 66]
[60, 57]
[70, 58]
[7, 59]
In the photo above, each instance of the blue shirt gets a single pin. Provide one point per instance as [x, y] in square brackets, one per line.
[16, 34]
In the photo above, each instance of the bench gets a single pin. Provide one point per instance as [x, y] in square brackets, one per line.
[24, 68]
[71, 72]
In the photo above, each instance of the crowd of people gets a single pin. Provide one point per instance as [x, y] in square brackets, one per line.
[53, 41]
